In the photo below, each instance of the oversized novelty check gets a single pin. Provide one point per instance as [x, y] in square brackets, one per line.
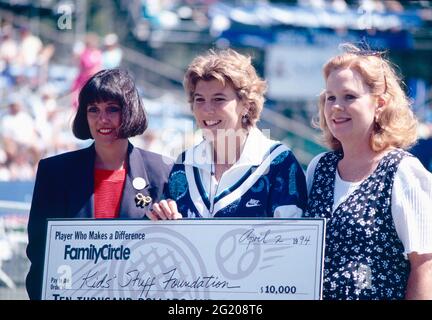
[184, 259]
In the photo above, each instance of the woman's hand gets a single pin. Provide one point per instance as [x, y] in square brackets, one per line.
[164, 210]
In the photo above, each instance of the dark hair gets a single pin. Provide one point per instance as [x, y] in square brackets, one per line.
[111, 85]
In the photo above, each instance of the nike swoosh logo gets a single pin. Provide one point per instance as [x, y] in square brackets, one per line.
[252, 203]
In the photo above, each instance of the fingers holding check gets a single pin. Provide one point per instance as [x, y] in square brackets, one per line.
[164, 210]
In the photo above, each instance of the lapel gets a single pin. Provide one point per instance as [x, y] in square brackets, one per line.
[136, 168]
[81, 184]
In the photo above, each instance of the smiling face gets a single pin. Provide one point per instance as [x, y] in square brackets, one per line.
[350, 107]
[217, 107]
[104, 120]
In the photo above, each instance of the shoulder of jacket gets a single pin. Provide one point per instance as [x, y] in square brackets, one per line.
[156, 157]
[66, 157]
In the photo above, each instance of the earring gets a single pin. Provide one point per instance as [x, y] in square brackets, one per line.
[377, 126]
[245, 119]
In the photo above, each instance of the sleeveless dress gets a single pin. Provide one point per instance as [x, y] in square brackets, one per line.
[364, 255]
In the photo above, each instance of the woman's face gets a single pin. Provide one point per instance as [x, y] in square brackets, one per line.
[104, 120]
[350, 107]
[217, 108]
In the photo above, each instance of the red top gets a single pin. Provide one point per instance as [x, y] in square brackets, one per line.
[108, 189]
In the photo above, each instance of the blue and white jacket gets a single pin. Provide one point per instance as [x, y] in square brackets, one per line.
[266, 181]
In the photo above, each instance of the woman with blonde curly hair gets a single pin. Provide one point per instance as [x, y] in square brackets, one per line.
[235, 171]
[376, 196]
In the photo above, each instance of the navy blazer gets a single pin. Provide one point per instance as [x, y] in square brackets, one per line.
[64, 188]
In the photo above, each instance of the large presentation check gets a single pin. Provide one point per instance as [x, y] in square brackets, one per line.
[184, 259]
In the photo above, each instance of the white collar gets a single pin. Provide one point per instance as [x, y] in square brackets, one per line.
[256, 148]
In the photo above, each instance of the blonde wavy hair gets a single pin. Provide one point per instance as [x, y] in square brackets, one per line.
[229, 66]
[396, 125]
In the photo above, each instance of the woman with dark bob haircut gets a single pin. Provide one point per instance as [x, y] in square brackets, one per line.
[109, 179]
[101, 88]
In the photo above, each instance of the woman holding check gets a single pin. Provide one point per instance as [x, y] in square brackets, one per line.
[109, 179]
[235, 171]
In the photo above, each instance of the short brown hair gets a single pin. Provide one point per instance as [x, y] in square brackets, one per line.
[234, 68]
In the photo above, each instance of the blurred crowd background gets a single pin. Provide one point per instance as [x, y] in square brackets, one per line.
[49, 47]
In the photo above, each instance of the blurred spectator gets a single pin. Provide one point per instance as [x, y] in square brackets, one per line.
[43, 63]
[43, 107]
[4, 173]
[372, 6]
[89, 62]
[4, 170]
[29, 48]
[112, 54]
[26, 59]
[339, 6]
[19, 133]
[8, 49]
[20, 167]
[394, 6]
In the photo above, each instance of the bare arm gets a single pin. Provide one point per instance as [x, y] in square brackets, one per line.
[420, 279]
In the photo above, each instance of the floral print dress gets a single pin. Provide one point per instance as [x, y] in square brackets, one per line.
[364, 255]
